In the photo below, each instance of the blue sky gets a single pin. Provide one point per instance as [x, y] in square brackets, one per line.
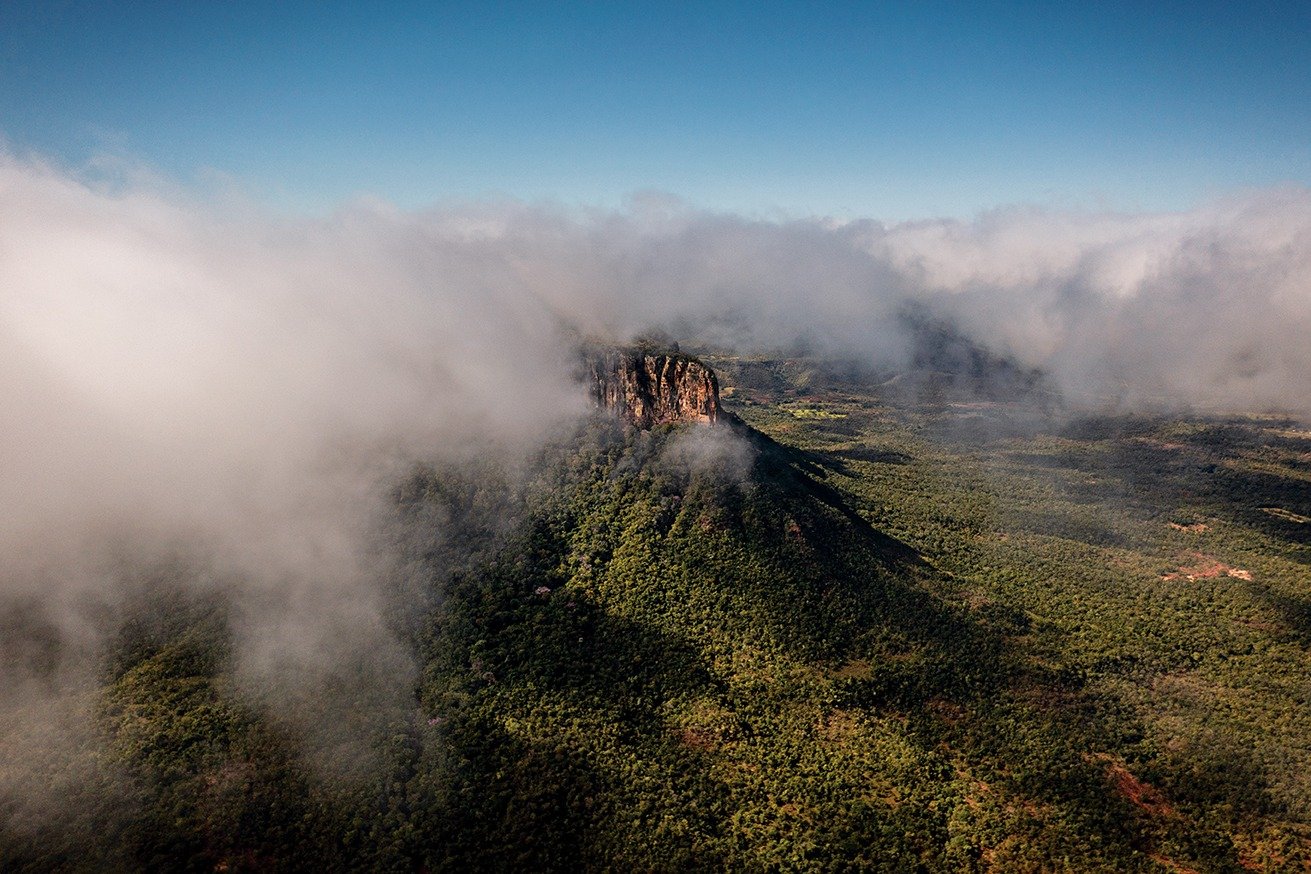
[886, 110]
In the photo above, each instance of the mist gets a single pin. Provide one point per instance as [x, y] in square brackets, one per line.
[191, 378]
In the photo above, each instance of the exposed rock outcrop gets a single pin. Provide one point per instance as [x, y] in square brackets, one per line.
[648, 387]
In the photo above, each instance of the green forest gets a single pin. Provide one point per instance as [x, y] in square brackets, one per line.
[854, 626]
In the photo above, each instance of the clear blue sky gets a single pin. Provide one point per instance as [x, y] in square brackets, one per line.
[887, 110]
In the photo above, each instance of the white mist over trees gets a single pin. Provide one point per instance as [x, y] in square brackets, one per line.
[183, 374]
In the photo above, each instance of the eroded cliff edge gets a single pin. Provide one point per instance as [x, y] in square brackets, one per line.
[648, 387]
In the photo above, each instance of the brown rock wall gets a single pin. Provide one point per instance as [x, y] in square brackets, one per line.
[649, 388]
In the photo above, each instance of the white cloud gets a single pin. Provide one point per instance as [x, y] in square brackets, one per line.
[183, 371]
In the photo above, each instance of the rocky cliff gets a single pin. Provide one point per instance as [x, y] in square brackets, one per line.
[648, 387]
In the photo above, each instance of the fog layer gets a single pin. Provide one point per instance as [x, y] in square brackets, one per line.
[191, 375]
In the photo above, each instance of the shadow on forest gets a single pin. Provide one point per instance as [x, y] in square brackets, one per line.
[1205, 469]
[514, 800]
[806, 470]
[1295, 611]
[815, 571]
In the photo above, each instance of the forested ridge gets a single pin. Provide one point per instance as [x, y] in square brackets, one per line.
[850, 628]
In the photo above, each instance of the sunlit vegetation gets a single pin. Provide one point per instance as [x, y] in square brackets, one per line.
[910, 634]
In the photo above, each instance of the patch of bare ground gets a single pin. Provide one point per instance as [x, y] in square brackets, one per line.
[1286, 515]
[855, 669]
[1188, 685]
[1171, 865]
[1194, 528]
[1142, 795]
[1204, 567]
[1290, 433]
[838, 726]
[697, 738]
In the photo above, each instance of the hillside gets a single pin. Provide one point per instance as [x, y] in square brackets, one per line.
[843, 628]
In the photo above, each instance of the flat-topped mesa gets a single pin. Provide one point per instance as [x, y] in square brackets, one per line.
[648, 387]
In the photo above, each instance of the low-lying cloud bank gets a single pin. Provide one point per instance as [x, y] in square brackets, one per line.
[197, 383]
[1202, 308]
[182, 373]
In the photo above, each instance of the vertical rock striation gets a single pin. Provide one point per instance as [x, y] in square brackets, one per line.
[648, 387]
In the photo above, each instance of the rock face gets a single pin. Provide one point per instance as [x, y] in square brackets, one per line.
[648, 387]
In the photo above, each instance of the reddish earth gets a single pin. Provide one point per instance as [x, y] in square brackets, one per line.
[1146, 798]
[698, 738]
[1172, 865]
[1205, 567]
[1143, 795]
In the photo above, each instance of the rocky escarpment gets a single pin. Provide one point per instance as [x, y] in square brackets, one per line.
[649, 387]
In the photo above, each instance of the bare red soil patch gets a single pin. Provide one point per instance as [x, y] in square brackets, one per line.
[1143, 795]
[1205, 567]
[1172, 865]
[697, 738]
